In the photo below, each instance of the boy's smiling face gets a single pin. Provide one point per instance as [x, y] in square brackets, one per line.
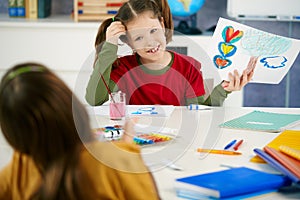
[146, 36]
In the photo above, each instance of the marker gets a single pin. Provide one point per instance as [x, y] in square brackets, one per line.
[216, 151]
[230, 144]
[197, 107]
[236, 147]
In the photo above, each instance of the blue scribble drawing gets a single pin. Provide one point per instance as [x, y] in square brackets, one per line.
[274, 61]
[270, 47]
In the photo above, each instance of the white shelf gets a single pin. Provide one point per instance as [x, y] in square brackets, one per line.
[54, 21]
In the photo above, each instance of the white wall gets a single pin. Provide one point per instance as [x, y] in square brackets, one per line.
[64, 47]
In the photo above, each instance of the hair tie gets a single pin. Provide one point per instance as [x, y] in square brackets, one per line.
[23, 70]
[113, 19]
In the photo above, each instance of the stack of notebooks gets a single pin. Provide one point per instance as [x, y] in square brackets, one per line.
[288, 138]
[286, 160]
[96, 10]
[234, 183]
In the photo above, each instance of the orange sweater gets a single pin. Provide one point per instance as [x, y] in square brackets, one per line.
[112, 170]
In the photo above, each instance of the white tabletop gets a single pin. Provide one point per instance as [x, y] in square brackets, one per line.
[194, 129]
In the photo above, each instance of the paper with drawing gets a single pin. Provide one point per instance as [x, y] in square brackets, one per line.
[233, 44]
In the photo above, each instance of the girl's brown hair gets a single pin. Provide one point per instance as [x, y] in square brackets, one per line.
[40, 117]
[130, 10]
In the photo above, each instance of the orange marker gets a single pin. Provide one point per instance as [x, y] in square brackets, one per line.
[236, 147]
[216, 151]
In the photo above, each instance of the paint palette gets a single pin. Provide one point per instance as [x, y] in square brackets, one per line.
[111, 133]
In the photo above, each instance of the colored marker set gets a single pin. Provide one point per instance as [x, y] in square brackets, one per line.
[110, 132]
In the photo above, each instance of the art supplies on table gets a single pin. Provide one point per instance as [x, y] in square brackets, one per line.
[112, 133]
[230, 144]
[288, 162]
[229, 183]
[237, 145]
[218, 151]
[288, 166]
[150, 110]
[289, 138]
[290, 151]
[198, 107]
[109, 132]
[151, 138]
[263, 121]
[117, 105]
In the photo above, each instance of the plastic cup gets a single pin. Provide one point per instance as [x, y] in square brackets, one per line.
[117, 105]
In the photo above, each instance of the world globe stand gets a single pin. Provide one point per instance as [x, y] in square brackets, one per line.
[184, 27]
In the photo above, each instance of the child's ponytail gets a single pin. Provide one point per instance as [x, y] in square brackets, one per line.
[168, 21]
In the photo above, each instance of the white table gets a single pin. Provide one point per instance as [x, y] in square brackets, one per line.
[194, 129]
[210, 136]
[200, 129]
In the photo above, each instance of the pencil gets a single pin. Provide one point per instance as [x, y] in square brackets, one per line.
[217, 151]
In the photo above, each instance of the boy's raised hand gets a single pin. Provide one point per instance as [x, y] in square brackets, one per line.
[114, 31]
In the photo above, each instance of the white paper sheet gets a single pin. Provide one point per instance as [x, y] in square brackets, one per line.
[233, 44]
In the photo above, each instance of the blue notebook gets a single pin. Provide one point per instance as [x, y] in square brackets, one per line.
[229, 183]
[263, 121]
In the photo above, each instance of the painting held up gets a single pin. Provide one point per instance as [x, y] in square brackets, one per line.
[233, 45]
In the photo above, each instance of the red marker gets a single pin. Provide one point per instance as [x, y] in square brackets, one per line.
[236, 147]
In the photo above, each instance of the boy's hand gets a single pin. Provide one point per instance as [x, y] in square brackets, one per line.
[114, 31]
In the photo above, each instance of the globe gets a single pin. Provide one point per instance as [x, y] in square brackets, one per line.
[185, 8]
[186, 11]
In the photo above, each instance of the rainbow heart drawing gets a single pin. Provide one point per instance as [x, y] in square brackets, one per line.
[226, 49]
[231, 36]
[221, 62]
